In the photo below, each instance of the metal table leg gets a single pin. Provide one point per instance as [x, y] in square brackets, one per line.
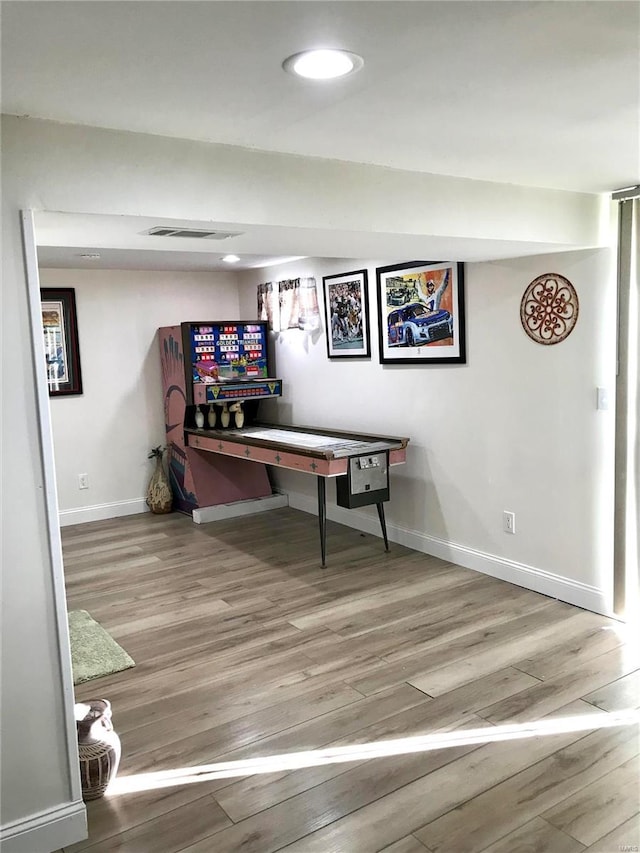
[322, 517]
[383, 525]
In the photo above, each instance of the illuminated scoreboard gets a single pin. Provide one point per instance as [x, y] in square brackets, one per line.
[226, 351]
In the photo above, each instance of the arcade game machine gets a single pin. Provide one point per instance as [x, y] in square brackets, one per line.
[214, 375]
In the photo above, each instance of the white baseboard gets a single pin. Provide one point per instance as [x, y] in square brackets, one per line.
[563, 588]
[216, 513]
[100, 512]
[46, 831]
[556, 586]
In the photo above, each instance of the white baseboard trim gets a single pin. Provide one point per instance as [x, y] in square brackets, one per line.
[556, 586]
[46, 831]
[100, 512]
[216, 513]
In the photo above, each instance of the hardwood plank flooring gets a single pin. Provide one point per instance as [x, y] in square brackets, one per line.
[573, 683]
[601, 806]
[537, 835]
[484, 819]
[246, 650]
[622, 838]
[408, 844]
[618, 695]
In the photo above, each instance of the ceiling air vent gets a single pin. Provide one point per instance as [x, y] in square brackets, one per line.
[197, 233]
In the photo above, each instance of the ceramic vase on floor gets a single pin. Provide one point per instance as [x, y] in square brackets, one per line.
[159, 494]
[98, 747]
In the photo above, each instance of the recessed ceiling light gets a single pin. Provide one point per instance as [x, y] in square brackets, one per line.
[91, 256]
[231, 259]
[323, 64]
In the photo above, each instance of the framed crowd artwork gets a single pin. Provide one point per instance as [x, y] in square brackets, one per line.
[60, 331]
[346, 305]
[421, 313]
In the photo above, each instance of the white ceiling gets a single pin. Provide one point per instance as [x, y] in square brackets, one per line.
[534, 93]
[123, 242]
[75, 257]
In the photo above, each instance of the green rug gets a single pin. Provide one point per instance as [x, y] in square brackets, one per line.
[94, 652]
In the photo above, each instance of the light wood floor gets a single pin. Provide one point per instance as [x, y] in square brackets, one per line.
[245, 647]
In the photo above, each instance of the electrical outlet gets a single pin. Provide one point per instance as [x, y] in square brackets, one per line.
[83, 481]
[509, 522]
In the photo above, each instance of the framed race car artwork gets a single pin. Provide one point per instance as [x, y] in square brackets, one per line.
[421, 313]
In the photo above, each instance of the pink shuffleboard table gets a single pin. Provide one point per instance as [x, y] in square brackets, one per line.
[359, 462]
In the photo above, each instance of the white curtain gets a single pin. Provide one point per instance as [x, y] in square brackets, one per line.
[289, 304]
[627, 463]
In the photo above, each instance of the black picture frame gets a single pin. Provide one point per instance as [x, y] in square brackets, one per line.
[60, 332]
[346, 308]
[421, 315]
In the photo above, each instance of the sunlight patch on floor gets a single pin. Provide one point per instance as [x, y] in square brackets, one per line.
[362, 752]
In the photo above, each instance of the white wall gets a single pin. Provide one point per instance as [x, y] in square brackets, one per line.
[108, 431]
[48, 166]
[75, 169]
[516, 428]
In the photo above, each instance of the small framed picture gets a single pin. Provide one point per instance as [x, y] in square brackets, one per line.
[346, 305]
[421, 313]
[60, 330]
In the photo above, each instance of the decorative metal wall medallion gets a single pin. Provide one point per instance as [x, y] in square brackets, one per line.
[549, 308]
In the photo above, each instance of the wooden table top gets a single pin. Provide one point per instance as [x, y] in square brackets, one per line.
[316, 451]
[307, 441]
